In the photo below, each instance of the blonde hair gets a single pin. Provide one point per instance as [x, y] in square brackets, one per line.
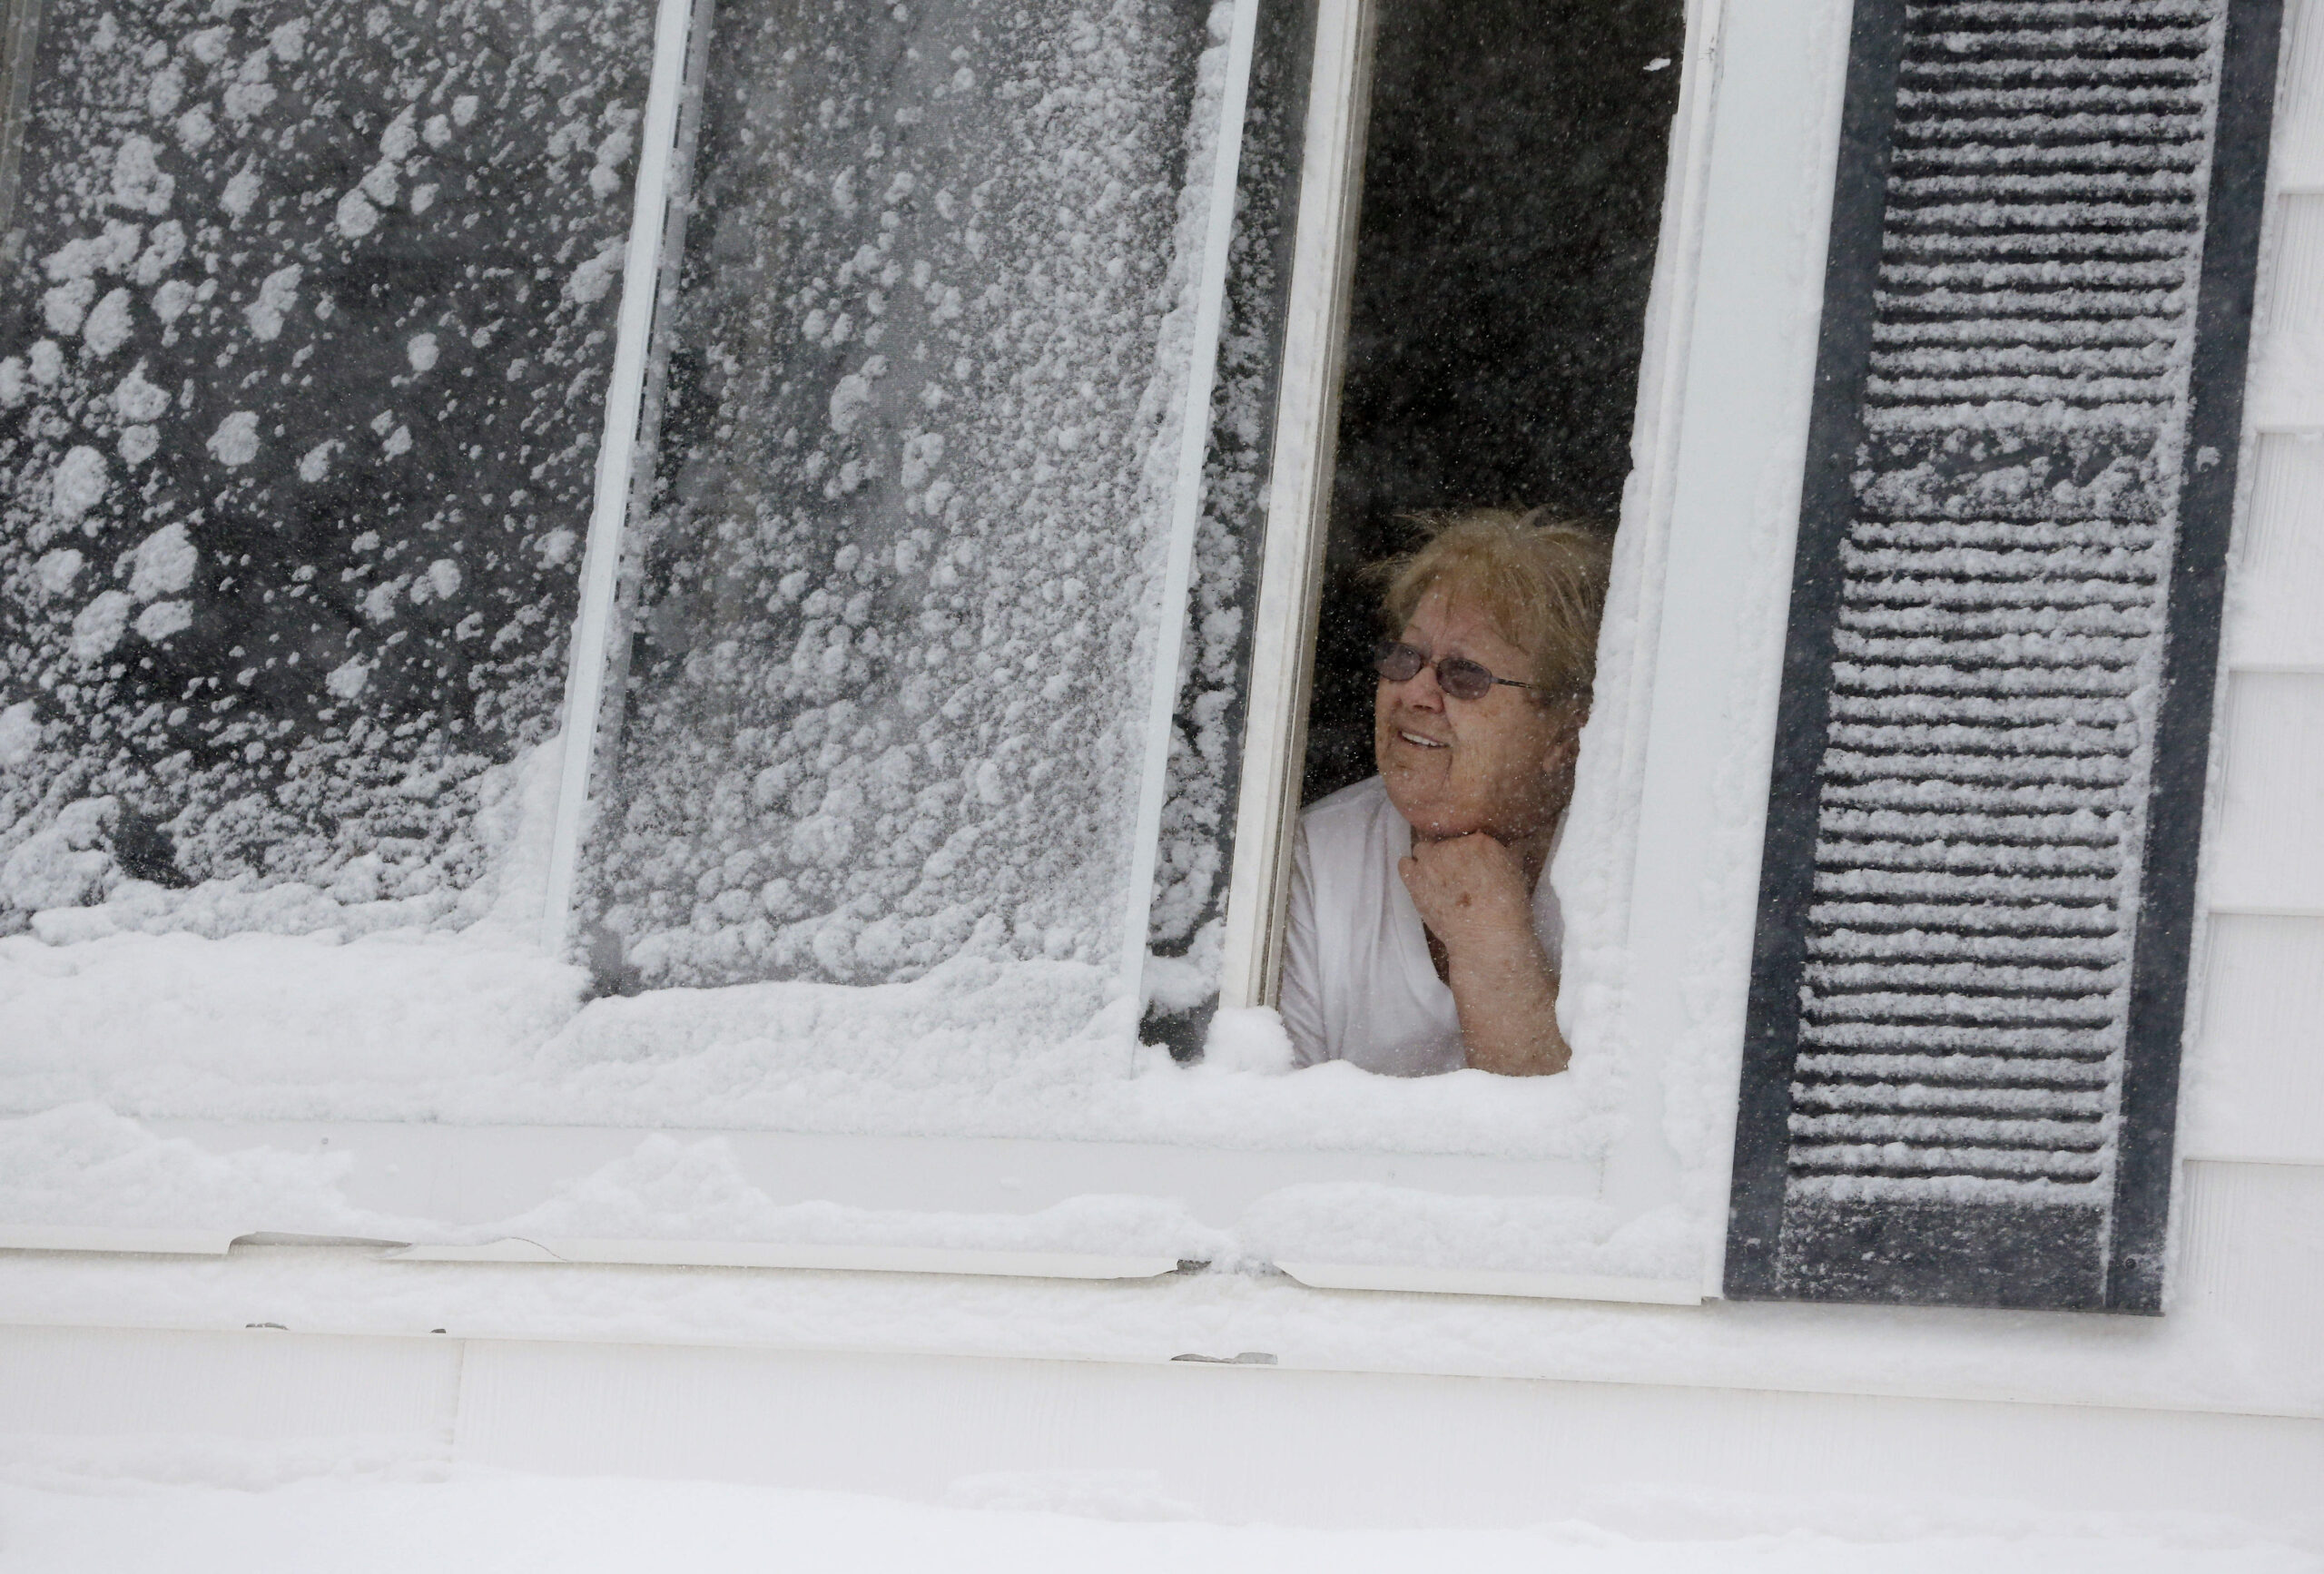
[1540, 579]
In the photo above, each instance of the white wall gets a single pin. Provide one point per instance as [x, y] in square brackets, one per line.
[2255, 1054]
[1235, 1443]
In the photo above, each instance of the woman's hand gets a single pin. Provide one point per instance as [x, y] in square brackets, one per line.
[1472, 894]
[1469, 889]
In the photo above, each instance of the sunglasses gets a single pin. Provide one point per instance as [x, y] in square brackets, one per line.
[1457, 675]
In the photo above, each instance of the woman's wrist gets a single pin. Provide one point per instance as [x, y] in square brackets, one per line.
[1498, 948]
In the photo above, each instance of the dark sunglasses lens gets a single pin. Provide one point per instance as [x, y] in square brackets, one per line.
[1398, 663]
[1463, 679]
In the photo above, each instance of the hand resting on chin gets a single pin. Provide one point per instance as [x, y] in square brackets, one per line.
[1473, 895]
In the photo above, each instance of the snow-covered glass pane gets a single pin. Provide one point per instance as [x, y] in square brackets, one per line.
[892, 601]
[301, 370]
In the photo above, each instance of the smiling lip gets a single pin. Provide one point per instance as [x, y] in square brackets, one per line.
[1415, 738]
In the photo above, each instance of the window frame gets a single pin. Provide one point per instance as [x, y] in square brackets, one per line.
[1674, 769]
[682, 35]
[1675, 760]
[591, 710]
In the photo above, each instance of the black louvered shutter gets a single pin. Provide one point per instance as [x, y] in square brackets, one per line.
[1960, 1068]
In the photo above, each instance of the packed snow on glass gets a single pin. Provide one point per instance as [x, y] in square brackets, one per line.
[299, 394]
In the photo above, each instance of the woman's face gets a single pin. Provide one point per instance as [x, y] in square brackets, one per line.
[1503, 764]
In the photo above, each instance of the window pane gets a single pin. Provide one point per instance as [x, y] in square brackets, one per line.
[886, 681]
[304, 351]
[1512, 197]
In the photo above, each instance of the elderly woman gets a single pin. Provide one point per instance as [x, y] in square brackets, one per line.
[1422, 935]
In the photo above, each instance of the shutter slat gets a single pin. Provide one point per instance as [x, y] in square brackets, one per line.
[1993, 542]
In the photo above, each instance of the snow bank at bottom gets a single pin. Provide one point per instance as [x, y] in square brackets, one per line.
[83, 1167]
[669, 1190]
[270, 1026]
[475, 1030]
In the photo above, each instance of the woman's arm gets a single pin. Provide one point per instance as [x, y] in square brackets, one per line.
[1471, 893]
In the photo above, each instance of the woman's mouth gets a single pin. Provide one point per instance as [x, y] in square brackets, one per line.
[1418, 742]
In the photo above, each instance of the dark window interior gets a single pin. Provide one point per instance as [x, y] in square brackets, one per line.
[1512, 192]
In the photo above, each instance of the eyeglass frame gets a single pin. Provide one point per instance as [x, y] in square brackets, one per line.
[1385, 648]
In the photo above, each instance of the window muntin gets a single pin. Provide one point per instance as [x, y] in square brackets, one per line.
[1207, 748]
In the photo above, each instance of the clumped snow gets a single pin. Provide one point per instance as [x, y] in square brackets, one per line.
[82, 1165]
[886, 695]
[236, 292]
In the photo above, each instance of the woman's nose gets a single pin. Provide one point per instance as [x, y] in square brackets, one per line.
[1420, 691]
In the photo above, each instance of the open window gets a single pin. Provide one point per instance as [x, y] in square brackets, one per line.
[714, 572]
[645, 636]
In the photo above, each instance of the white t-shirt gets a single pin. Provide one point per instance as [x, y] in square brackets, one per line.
[1357, 981]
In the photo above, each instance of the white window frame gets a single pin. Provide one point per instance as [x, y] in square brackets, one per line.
[1671, 806]
[1670, 809]
[681, 38]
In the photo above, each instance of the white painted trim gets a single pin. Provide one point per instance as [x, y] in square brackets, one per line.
[1642, 1170]
[1724, 521]
[877, 1259]
[470, 1187]
[1238, 1442]
[2238, 1336]
[180, 1242]
[1186, 495]
[1492, 1281]
[1299, 494]
[617, 459]
[2207, 1148]
[478, 1178]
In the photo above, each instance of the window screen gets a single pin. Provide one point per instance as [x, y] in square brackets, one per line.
[1960, 1067]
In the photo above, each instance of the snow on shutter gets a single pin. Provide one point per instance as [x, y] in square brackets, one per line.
[1961, 1064]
